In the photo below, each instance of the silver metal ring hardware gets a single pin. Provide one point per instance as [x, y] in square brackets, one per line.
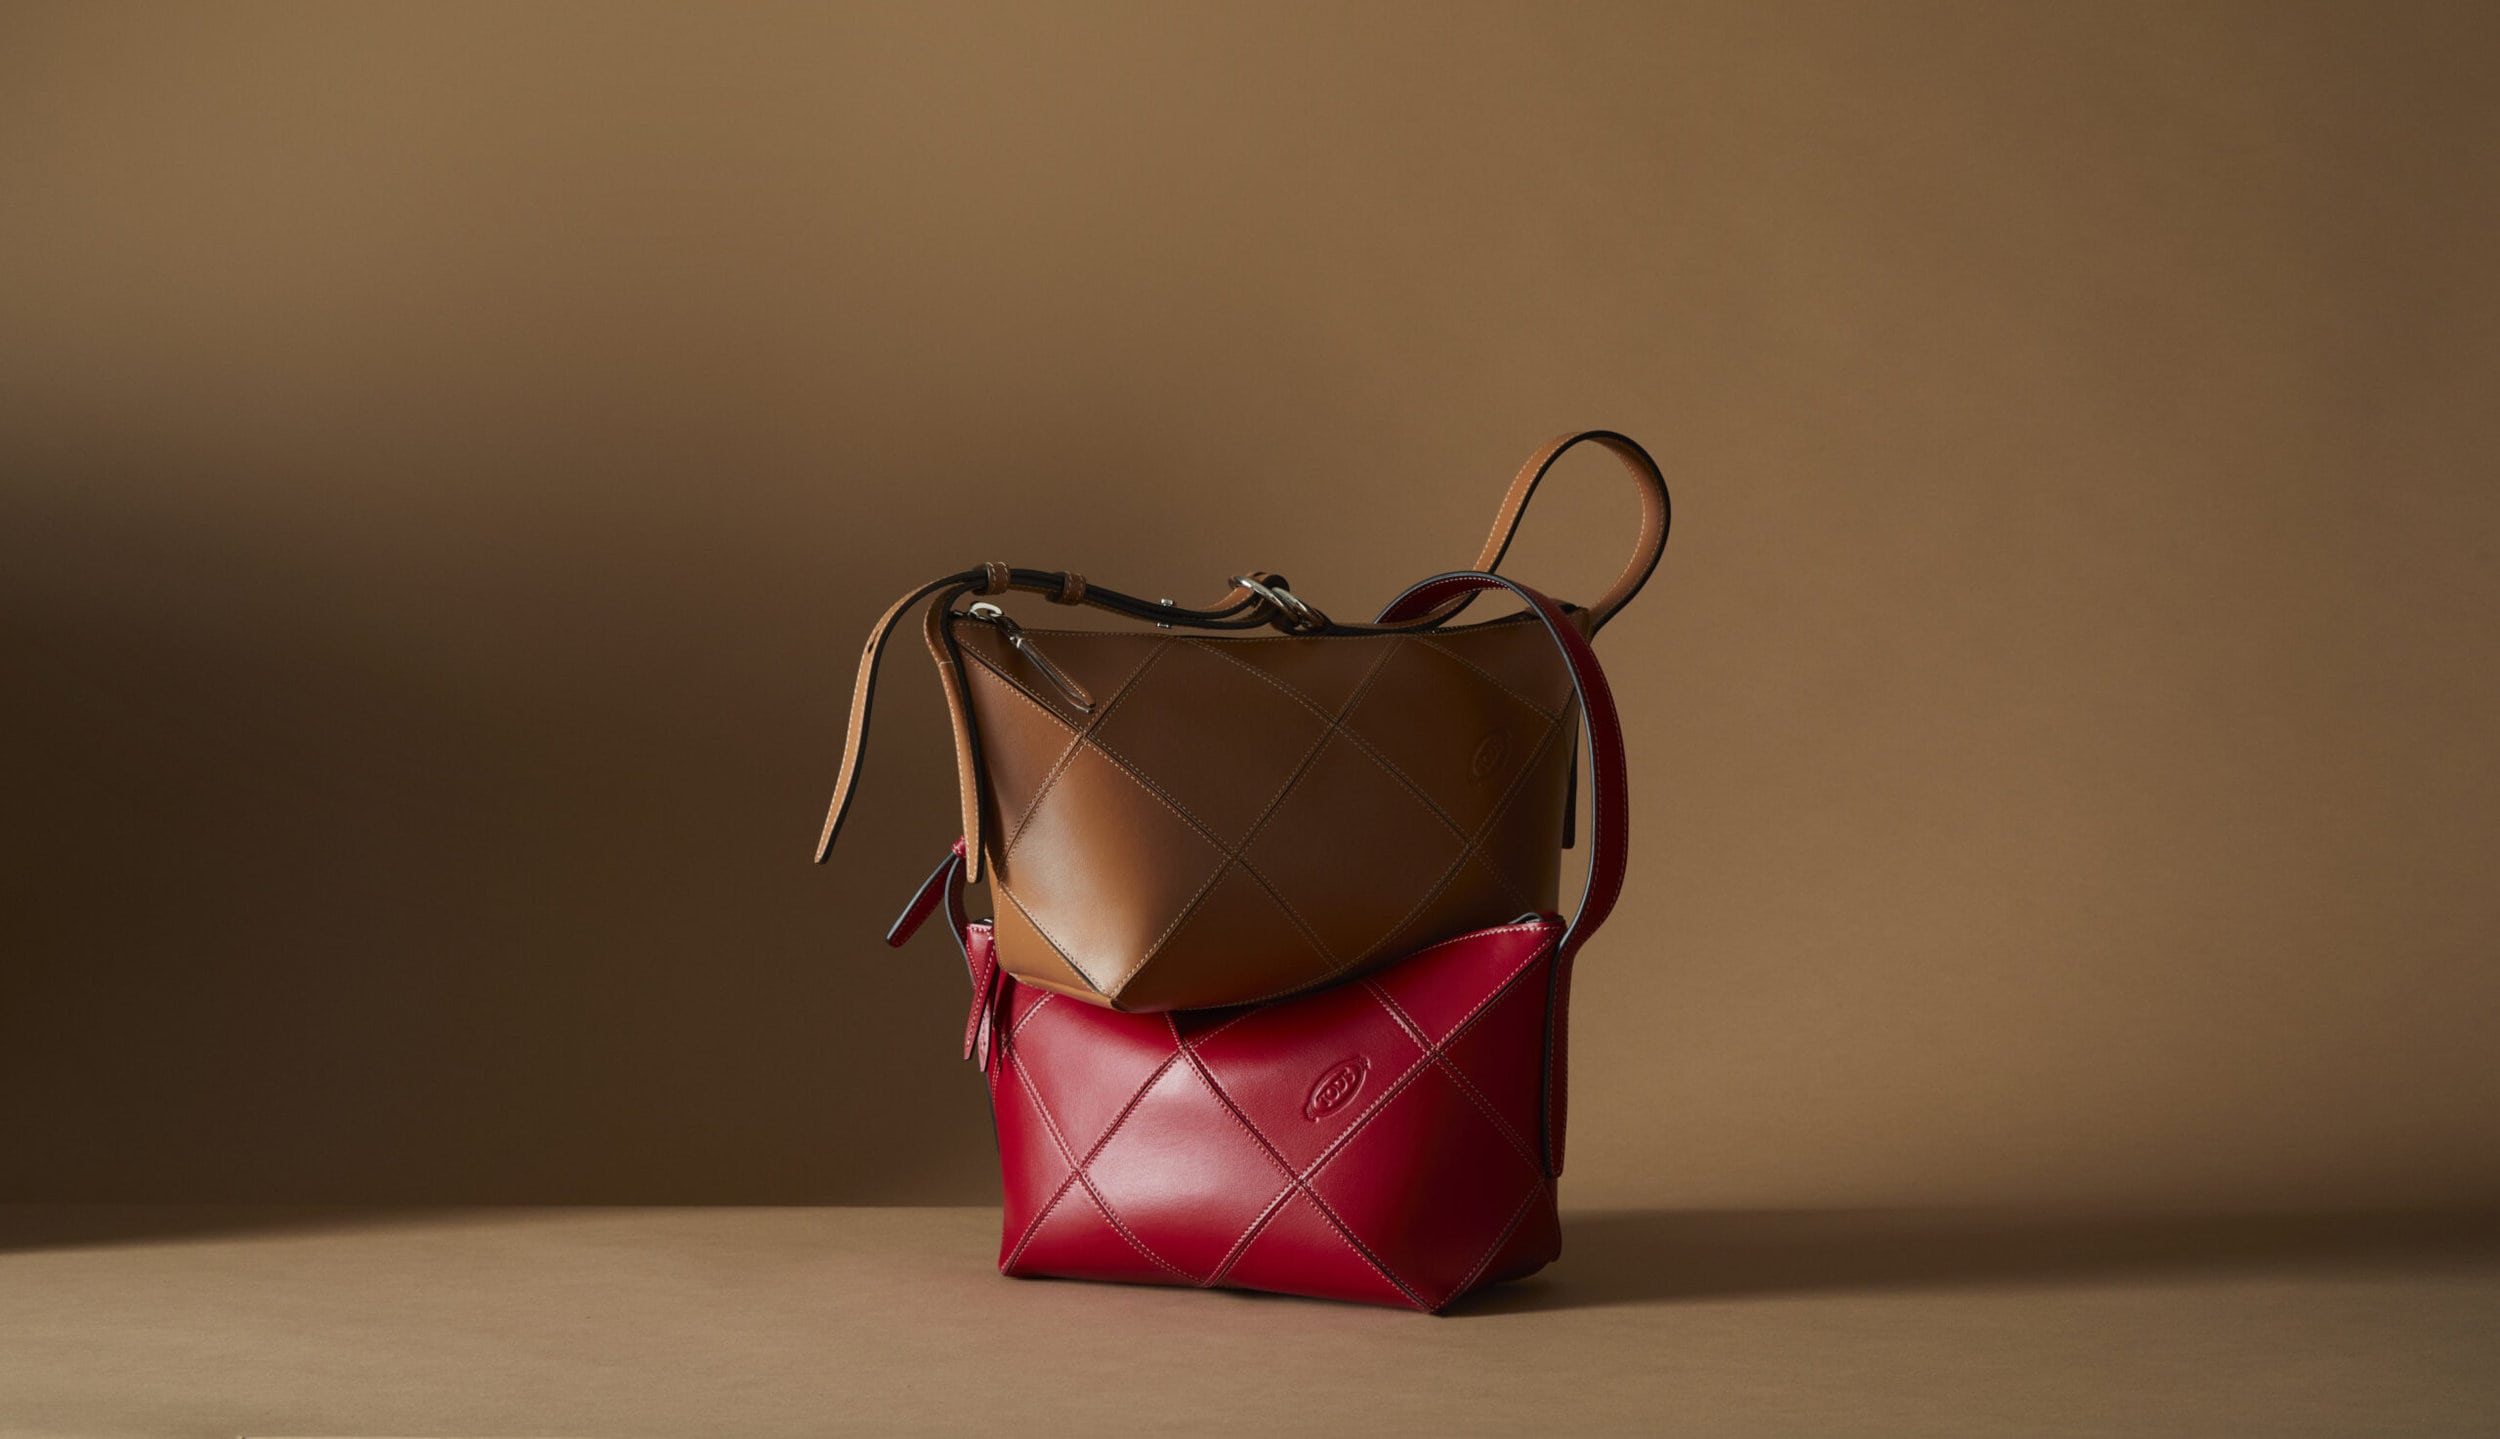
[1282, 598]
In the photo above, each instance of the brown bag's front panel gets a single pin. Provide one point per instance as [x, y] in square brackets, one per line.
[1240, 817]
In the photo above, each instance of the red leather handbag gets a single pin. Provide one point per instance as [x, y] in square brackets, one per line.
[1395, 1139]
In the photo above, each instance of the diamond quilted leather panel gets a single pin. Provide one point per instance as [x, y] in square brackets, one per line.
[1514, 657]
[1026, 744]
[1520, 842]
[1461, 975]
[1043, 964]
[1117, 1060]
[1322, 677]
[1309, 1146]
[1035, 1164]
[1300, 1251]
[1084, 1242]
[1359, 901]
[1301, 1104]
[1513, 1025]
[1375, 793]
[1161, 728]
[1429, 1186]
[1240, 915]
[1461, 742]
[1535, 1243]
[1097, 824]
[1189, 1170]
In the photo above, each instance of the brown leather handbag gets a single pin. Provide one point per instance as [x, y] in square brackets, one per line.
[1246, 801]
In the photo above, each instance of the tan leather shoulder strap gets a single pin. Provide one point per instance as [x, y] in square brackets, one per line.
[950, 668]
[1656, 515]
[863, 696]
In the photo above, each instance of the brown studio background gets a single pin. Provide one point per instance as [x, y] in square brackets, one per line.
[452, 455]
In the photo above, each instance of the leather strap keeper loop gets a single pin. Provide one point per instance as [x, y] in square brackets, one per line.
[1071, 589]
[994, 577]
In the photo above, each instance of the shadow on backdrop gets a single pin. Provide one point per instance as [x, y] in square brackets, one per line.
[1649, 1256]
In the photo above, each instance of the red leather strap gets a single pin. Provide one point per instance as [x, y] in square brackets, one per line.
[945, 882]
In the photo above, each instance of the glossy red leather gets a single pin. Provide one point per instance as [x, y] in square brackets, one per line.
[1394, 1139]
[1377, 1141]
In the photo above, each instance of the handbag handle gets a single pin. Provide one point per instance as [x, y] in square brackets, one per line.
[1657, 514]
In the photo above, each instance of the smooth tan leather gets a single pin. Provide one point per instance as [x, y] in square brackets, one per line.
[1244, 817]
[1206, 813]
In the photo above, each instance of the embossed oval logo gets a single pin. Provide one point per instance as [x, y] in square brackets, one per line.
[1488, 757]
[1336, 1088]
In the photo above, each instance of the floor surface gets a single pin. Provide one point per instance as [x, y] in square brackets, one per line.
[607, 1323]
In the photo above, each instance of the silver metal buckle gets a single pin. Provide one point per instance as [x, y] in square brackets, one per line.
[1282, 598]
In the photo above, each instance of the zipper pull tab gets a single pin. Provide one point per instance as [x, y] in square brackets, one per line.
[992, 614]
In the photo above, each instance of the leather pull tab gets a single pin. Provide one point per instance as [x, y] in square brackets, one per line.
[945, 885]
[925, 902]
[980, 1032]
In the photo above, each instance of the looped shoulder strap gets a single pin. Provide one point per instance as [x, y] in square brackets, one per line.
[1657, 514]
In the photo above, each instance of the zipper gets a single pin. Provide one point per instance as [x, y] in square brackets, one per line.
[991, 614]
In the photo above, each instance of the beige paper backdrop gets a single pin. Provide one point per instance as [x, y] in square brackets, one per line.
[449, 457]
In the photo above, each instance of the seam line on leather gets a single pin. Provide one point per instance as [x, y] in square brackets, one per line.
[1338, 725]
[1056, 947]
[1235, 853]
[1067, 1151]
[1430, 642]
[1526, 1201]
[1199, 826]
[1292, 1180]
[1076, 1167]
[1354, 1128]
[1475, 843]
[1076, 744]
[1526, 1152]
[1337, 1145]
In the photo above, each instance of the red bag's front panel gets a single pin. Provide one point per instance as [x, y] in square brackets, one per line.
[1377, 1141]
